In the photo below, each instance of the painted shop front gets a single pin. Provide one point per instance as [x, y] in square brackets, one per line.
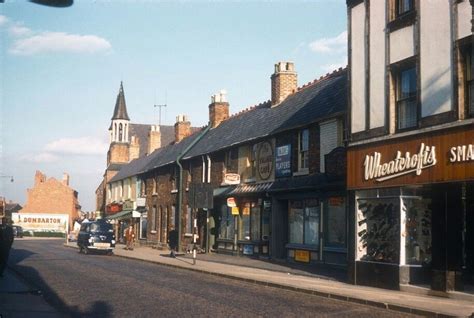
[310, 215]
[122, 215]
[412, 207]
[245, 208]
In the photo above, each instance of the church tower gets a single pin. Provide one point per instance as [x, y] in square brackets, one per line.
[119, 132]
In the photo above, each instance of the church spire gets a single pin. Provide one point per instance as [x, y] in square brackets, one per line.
[120, 111]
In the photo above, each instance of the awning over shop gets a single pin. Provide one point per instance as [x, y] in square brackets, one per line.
[219, 192]
[251, 188]
[124, 215]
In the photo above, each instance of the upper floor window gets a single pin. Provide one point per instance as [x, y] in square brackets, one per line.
[470, 81]
[406, 102]
[303, 147]
[230, 156]
[404, 6]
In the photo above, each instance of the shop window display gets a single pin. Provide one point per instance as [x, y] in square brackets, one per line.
[378, 234]
[244, 224]
[255, 221]
[417, 231]
[226, 228]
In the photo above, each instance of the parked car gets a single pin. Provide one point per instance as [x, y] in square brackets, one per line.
[17, 231]
[96, 236]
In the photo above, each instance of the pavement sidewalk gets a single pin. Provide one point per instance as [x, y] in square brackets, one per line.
[18, 299]
[311, 283]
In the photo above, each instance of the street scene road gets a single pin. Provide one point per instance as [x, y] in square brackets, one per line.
[110, 286]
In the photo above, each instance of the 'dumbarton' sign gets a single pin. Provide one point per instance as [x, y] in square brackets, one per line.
[402, 164]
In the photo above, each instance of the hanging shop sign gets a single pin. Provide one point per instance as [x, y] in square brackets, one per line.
[231, 202]
[265, 160]
[283, 161]
[128, 205]
[442, 156]
[114, 208]
[235, 210]
[231, 179]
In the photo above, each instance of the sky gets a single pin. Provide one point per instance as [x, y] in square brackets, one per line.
[61, 68]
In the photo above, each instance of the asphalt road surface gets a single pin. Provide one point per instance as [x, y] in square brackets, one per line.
[81, 285]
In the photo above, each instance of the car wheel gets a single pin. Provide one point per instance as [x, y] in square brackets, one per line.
[80, 249]
[110, 253]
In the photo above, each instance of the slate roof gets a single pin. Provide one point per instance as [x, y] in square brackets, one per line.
[142, 130]
[120, 111]
[160, 157]
[314, 102]
[115, 166]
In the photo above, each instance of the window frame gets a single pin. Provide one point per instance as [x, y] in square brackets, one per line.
[469, 80]
[303, 154]
[399, 3]
[411, 98]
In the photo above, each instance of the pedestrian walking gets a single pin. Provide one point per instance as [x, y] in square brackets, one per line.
[6, 241]
[129, 237]
[173, 242]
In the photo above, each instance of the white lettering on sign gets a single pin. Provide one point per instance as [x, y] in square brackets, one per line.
[462, 153]
[401, 165]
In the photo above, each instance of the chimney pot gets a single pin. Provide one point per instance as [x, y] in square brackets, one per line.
[218, 109]
[284, 82]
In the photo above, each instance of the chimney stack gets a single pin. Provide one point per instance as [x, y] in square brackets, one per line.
[218, 109]
[39, 177]
[66, 179]
[284, 82]
[134, 147]
[154, 138]
[182, 128]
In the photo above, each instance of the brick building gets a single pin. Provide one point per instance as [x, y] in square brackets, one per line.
[273, 193]
[128, 141]
[50, 196]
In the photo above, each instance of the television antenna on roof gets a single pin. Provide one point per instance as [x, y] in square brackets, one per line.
[160, 106]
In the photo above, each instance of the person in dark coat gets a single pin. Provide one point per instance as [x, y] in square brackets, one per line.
[6, 241]
[173, 241]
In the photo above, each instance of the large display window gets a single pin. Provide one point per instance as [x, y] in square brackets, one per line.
[303, 222]
[393, 229]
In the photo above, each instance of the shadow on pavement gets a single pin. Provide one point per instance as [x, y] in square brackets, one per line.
[33, 277]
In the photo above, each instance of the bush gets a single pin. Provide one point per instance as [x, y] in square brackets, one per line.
[44, 234]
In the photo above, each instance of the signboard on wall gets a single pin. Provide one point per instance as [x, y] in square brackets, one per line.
[265, 160]
[41, 222]
[113, 208]
[442, 156]
[283, 161]
[231, 179]
[302, 256]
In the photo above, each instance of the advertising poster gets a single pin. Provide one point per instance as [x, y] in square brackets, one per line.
[41, 222]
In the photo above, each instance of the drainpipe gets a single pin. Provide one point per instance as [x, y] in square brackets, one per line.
[180, 179]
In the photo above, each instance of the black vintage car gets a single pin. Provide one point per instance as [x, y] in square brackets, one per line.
[96, 236]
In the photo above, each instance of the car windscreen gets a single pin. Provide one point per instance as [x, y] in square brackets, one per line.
[101, 227]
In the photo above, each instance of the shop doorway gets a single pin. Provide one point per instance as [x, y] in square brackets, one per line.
[468, 272]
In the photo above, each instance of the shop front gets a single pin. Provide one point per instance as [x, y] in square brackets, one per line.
[310, 226]
[123, 215]
[244, 221]
[411, 202]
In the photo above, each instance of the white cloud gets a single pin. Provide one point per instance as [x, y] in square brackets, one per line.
[328, 68]
[330, 45]
[50, 42]
[43, 157]
[78, 146]
[3, 20]
[19, 30]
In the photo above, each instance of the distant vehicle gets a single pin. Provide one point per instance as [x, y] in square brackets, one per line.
[17, 231]
[96, 236]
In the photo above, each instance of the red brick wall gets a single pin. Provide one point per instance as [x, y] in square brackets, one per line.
[52, 196]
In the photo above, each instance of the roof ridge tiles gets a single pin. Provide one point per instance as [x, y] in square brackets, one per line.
[321, 78]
